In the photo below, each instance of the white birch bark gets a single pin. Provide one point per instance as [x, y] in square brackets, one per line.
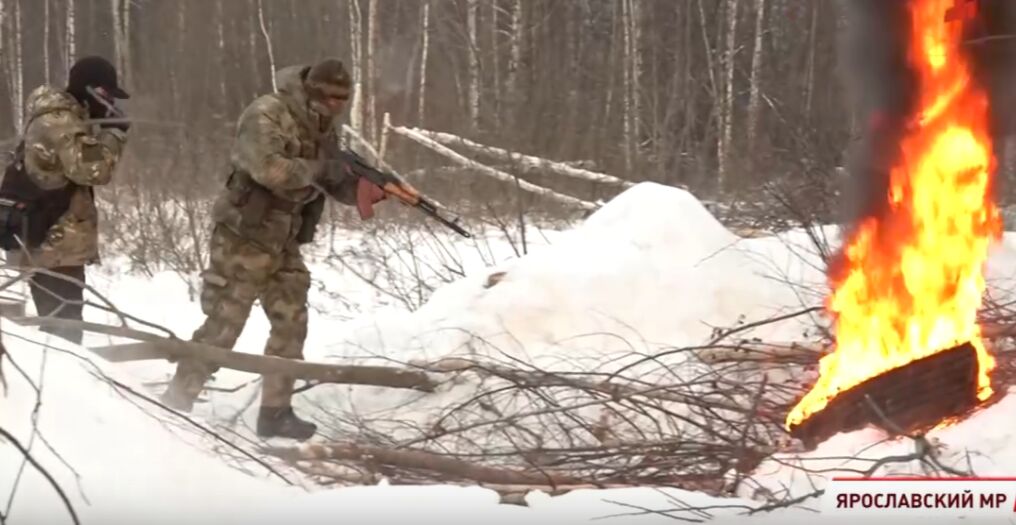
[356, 45]
[727, 109]
[5, 62]
[526, 161]
[491, 172]
[754, 95]
[268, 45]
[424, 53]
[70, 30]
[474, 65]
[220, 42]
[635, 53]
[515, 55]
[370, 117]
[810, 75]
[495, 43]
[45, 42]
[18, 73]
[125, 24]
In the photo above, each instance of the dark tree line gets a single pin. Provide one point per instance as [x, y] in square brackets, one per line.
[681, 91]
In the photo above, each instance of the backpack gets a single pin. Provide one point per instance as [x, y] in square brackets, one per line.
[27, 212]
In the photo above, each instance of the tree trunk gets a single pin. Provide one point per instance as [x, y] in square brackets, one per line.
[756, 70]
[370, 118]
[514, 60]
[727, 110]
[45, 42]
[635, 17]
[18, 93]
[356, 46]
[125, 20]
[495, 57]
[220, 44]
[268, 45]
[810, 75]
[4, 65]
[120, 10]
[71, 44]
[424, 52]
[474, 66]
[115, 10]
[628, 131]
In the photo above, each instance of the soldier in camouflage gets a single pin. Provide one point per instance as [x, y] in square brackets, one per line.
[62, 158]
[271, 204]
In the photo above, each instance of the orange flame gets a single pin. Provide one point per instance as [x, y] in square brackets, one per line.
[913, 279]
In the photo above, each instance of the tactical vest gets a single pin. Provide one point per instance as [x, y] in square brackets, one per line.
[27, 212]
[255, 201]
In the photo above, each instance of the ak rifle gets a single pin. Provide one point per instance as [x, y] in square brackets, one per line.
[397, 187]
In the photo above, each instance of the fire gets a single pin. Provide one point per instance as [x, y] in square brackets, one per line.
[913, 277]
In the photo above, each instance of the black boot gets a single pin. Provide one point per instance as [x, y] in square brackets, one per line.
[282, 422]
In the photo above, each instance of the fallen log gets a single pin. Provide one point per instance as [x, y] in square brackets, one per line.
[420, 460]
[270, 365]
[105, 329]
[491, 172]
[526, 161]
[157, 347]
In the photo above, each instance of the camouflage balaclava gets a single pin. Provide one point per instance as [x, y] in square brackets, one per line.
[328, 87]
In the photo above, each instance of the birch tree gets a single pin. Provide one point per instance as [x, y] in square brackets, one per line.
[474, 65]
[370, 114]
[268, 45]
[45, 42]
[220, 45]
[356, 44]
[632, 73]
[424, 51]
[71, 47]
[4, 61]
[756, 73]
[626, 84]
[18, 91]
[495, 55]
[121, 38]
[516, 35]
[727, 109]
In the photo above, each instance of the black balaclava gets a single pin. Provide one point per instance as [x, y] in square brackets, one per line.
[94, 72]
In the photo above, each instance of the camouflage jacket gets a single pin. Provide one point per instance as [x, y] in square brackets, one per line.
[61, 149]
[278, 144]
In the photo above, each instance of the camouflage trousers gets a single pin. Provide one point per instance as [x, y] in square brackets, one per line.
[238, 274]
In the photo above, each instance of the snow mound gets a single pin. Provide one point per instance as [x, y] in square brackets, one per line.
[652, 267]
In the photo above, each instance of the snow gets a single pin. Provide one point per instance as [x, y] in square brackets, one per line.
[652, 268]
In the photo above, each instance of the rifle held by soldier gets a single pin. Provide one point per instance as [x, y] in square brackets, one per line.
[395, 186]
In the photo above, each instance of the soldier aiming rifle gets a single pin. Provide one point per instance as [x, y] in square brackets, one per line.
[285, 161]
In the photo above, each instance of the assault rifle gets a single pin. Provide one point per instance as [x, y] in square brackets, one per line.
[395, 186]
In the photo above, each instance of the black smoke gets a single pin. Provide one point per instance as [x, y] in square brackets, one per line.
[882, 88]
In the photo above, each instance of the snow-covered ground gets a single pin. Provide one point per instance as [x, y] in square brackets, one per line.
[650, 269]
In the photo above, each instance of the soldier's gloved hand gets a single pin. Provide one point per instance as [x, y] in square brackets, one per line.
[113, 138]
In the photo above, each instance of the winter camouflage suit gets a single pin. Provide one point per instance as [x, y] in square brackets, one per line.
[278, 177]
[61, 149]
[63, 152]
